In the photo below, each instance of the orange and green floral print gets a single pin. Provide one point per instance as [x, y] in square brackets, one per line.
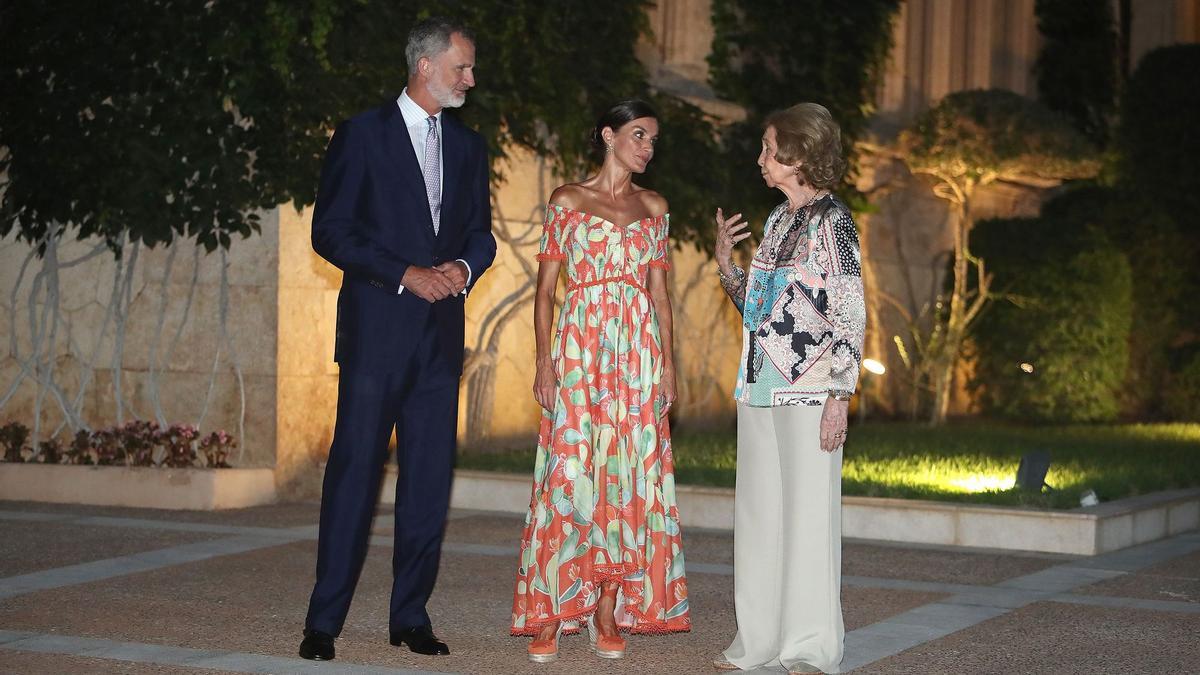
[603, 503]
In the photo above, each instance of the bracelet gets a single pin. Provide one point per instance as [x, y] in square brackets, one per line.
[735, 278]
[840, 395]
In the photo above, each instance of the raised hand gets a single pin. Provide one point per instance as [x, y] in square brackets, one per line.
[730, 231]
[429, 284]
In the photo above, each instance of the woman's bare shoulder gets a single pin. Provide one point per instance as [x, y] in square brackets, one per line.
[570, 195]
[654, 203]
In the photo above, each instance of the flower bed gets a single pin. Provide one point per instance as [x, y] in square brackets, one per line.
[137, 443]
[139, 464]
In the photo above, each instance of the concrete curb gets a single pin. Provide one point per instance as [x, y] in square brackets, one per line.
[138, 486]
[1084, 531]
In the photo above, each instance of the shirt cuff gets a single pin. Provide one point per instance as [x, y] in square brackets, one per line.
[401, 289]
[469, 275]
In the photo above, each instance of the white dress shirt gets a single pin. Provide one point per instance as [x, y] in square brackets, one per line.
[417, 122]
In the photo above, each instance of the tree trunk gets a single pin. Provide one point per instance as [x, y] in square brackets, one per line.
[956, 319]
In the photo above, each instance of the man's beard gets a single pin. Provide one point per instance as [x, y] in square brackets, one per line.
[447, 97]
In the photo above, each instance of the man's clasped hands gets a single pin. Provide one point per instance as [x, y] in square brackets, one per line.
[436, 283]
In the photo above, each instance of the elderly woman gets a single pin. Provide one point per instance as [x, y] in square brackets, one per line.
[803, 319]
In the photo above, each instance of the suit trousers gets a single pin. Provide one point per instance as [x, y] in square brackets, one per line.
[419, 400]
[787, 542]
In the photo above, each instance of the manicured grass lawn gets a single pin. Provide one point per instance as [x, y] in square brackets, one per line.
[970, 462]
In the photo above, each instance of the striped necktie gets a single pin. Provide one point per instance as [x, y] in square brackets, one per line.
[433, 173]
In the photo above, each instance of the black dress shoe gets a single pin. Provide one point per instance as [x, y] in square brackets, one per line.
[316, 646]
[420, 640]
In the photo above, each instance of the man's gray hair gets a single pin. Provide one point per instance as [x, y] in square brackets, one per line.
[430, 37]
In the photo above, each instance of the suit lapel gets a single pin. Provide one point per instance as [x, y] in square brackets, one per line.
[400, 150]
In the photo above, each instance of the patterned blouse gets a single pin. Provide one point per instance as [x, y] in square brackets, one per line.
[803, 313]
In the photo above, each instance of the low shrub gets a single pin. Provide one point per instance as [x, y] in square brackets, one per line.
[1055, 346]
[1161, 259]
[136, 443]
[1183, 399]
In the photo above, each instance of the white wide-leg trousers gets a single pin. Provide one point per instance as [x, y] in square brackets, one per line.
[787, 542]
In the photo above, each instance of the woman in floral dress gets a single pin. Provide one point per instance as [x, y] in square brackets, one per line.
[602, 541]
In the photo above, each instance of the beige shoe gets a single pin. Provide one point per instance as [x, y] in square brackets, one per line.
[803, 669]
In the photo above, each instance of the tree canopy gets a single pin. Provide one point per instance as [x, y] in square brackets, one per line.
[977, 136]
[1077, 64]
[1157, 138]
[771, 54]
[152, 119]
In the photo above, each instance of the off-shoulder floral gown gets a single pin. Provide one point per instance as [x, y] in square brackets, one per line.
[603, 503]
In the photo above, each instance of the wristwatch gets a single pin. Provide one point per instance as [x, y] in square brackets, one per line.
[839, 395]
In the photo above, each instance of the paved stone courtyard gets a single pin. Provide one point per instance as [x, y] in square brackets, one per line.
[108, 590]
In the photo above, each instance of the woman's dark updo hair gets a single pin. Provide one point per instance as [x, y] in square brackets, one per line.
[618, 116]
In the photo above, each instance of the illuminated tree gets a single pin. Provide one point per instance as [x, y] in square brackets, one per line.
[969, 140]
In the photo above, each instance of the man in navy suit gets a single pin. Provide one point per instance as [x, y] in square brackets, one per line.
[404, 211]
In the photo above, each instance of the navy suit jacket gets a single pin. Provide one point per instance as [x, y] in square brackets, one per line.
[372, 221]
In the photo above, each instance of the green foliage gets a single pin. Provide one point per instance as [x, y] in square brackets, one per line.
[549, 70]
[1157, 139]
[1159, 151]
[1066, 310]
[971, 462]
[154, 119]
[978, 135]
[771, 54]
[1158, 253]
[1183, 398]
[1077, 65]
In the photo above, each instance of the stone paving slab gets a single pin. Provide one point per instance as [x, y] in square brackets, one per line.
[231, 602]
[113, 656]
[271, 515]
[236, 602]
[1176, 580]
[1060, 639]
[939, 563]
[30, 546]
[254, 602]
[33, 663]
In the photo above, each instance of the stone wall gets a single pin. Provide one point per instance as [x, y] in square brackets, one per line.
[174, 348]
